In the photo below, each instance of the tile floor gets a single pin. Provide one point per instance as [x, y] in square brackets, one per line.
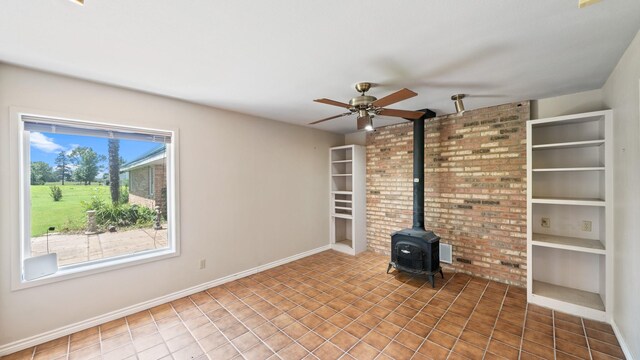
[330, 306]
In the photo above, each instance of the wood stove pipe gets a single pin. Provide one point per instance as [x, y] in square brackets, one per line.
[418, 169]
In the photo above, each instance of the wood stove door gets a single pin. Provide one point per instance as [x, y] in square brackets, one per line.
[409, 256]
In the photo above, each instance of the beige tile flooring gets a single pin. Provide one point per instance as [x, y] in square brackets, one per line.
[78, 248]
[330, 306]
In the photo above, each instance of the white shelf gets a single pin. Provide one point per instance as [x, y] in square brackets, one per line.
[569, 201]
[568, 243]
[569, 181]
[342, 208]
[568, 295]
[568, 145]
[348, 223]
[595, 168]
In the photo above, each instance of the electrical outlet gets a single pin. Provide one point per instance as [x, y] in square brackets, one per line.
[203, 263]
[586, 225]
[546, 222]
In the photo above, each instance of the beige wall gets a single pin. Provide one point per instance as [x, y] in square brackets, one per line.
[356, 138]
[567, 104]
[252, 191]
[622, 94]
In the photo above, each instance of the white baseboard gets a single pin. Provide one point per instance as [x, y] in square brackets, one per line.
[101, 319]
[621, 340]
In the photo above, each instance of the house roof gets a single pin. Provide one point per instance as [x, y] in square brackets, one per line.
[147, 158]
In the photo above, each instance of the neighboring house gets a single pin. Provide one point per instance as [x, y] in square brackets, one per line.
[147, 180]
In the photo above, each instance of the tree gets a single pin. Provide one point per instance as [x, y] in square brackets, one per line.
[63, 170]
[114, 170]
[88, 164]
[41, 173]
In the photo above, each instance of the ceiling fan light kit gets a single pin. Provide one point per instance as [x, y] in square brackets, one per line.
[367, 107]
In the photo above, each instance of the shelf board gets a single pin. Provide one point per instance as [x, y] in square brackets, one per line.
[342, 208]
[567, 145]
[568, 243]
[342, 201]
[569, 201]
[341, 174]
[342, 192]
[568, 295]
[346, 242]
[568, 119]
[341, 161]
[593, 168]
[342, 216]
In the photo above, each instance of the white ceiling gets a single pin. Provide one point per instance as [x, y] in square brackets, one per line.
[272, 58]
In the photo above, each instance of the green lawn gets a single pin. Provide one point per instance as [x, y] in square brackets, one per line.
[66, 214]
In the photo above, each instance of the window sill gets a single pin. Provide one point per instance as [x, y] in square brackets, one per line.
[80, 270]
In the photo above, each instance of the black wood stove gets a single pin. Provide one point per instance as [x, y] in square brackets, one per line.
[416, 250]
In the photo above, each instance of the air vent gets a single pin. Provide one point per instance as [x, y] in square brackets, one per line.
[446, 253]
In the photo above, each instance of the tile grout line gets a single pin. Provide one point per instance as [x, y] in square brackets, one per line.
[68, 346]
[126, 321]
[311, 312]
[441, 317]
[553, 322]
[155, 323]
[418, 311]
[400, 304]
[524, 326]
[100, 339]
[266, 320]
[241, 322]
[191, 332]
[495, 323]
[586, 337]
[324, 320]
[466, 322]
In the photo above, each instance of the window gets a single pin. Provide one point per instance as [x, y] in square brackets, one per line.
[93, 196]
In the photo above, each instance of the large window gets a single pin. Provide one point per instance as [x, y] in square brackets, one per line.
[93, 196]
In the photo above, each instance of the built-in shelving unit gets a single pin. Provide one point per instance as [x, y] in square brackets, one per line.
[570, 214]
[348, 199]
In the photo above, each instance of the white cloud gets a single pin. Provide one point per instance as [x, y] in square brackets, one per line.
[44, 143]
[71, 148]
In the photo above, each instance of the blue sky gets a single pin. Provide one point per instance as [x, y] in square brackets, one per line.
[46, 146]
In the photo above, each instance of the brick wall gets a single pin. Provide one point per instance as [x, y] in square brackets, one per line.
[160, 188]
[475, 188]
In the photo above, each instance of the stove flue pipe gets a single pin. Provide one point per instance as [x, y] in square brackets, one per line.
[418, 169]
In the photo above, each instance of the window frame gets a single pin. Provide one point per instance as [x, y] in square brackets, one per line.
[20, 219]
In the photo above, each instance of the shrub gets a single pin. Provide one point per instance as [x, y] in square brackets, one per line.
[95, 202]
[124, 215]
[55, 192]
[121, 215]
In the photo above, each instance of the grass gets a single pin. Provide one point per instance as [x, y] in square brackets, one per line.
[68, 214]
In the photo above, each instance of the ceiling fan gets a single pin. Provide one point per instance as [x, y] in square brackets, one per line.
[367, 107]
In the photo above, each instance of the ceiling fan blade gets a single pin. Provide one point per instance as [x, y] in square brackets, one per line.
[333, 102]
[397, 96]
[330, 118]
[401, 113]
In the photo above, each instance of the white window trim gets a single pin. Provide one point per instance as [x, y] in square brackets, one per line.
[20, 192]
